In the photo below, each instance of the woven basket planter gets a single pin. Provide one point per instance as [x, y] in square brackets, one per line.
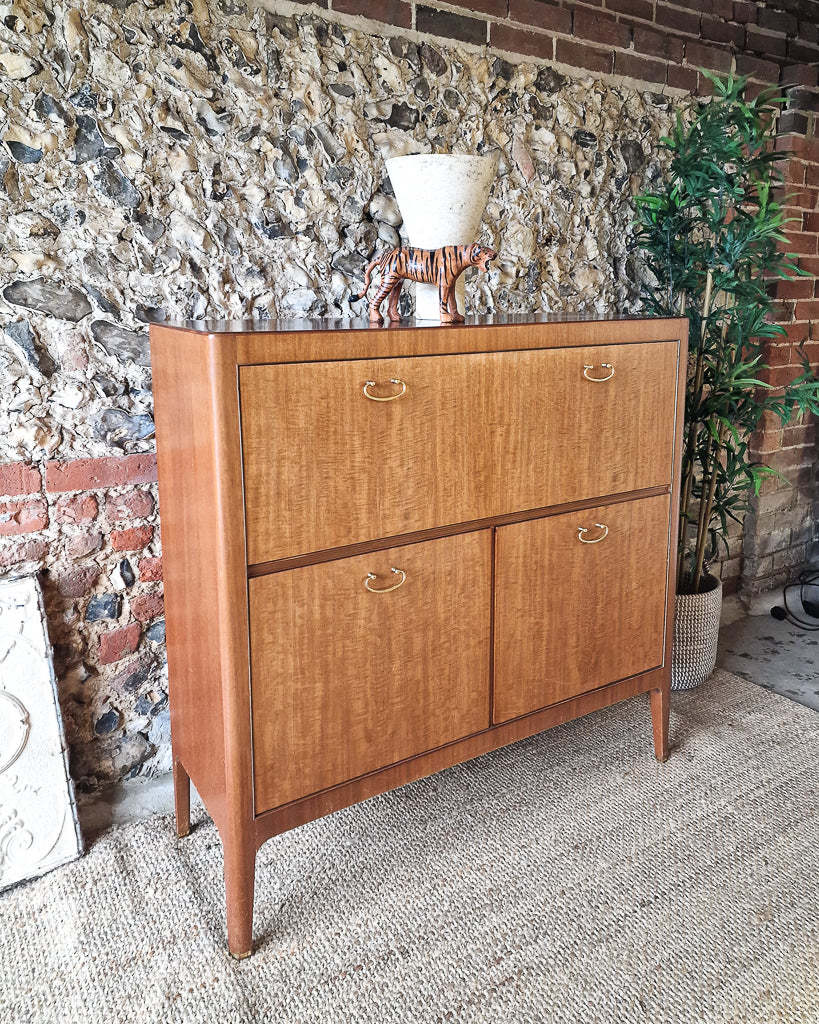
[696, 630]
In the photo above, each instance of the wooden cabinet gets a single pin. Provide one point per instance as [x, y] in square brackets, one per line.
[388, 550]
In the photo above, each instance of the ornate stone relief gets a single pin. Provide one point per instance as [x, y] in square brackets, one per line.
[38, 819]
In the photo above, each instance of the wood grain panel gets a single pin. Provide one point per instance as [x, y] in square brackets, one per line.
[349, 550]
[473, 436]
[351, 699]
[308, 341]
[573, 616]
[345, 681]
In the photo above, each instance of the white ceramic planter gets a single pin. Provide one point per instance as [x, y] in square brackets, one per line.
[442, 197]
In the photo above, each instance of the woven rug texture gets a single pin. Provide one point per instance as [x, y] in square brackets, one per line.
[568, 878]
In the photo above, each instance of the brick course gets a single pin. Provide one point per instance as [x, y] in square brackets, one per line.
[135, 539]
[641, 68]
[117, 643]
[540, 15]
[91, 474]
[518, 40]
[589, 57]
[19, 478]
[678, 20]
[658, 44]
[450, 26]
[150, 570]
[22, 517]
[642, 9]
[722, 31]
[717, 35]
[392, 12]
[600, 29]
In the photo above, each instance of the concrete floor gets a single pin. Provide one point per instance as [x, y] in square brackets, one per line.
[129, 801]
[775, 655]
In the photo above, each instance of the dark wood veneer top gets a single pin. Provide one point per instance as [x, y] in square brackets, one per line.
[361, 324]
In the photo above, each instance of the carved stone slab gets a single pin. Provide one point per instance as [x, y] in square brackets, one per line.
[38, 815]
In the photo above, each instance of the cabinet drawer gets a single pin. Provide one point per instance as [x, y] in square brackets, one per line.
[580, 602]
[330, 460]
[345, 680]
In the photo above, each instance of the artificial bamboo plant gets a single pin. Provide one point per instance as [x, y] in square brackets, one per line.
[711, 237]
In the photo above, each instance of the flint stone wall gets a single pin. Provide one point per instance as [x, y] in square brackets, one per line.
[180, 160]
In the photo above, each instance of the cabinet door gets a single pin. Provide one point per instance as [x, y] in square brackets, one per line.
[330, 459]
[580, 602]
[362, 662]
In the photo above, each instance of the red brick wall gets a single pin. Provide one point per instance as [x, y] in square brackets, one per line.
[781, 531]
[647, 40]
[93, 524]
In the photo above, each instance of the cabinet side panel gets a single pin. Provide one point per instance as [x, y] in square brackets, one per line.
[186, 458]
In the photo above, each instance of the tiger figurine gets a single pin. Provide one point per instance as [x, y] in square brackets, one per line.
[429, 266]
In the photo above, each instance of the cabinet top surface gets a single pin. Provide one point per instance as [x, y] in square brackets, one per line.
[312, 325]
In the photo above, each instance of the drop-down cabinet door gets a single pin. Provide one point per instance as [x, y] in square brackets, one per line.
[351, 451]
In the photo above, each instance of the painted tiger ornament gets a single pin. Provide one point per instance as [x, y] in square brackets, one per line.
[441, 267]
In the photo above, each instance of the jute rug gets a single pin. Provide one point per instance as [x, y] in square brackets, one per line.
[569, 878]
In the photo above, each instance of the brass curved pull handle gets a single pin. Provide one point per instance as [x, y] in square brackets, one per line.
[598, 380]
[384, 590]
[389, 398]
[584, 529]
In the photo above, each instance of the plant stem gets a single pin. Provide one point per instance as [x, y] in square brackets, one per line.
[684, 502]
[706, 312]
[694, 429]
[705, 507]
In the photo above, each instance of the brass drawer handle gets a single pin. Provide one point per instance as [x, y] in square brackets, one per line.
[584, 529]
[373, 576]
[390, 398]
[598, 380]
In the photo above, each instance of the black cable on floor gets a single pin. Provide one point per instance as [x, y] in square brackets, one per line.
[809, 601]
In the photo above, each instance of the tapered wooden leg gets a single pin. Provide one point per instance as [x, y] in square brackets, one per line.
[660, 708]
[181, 799]
[240, 867]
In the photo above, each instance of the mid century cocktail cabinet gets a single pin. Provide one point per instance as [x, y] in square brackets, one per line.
[387, 550]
